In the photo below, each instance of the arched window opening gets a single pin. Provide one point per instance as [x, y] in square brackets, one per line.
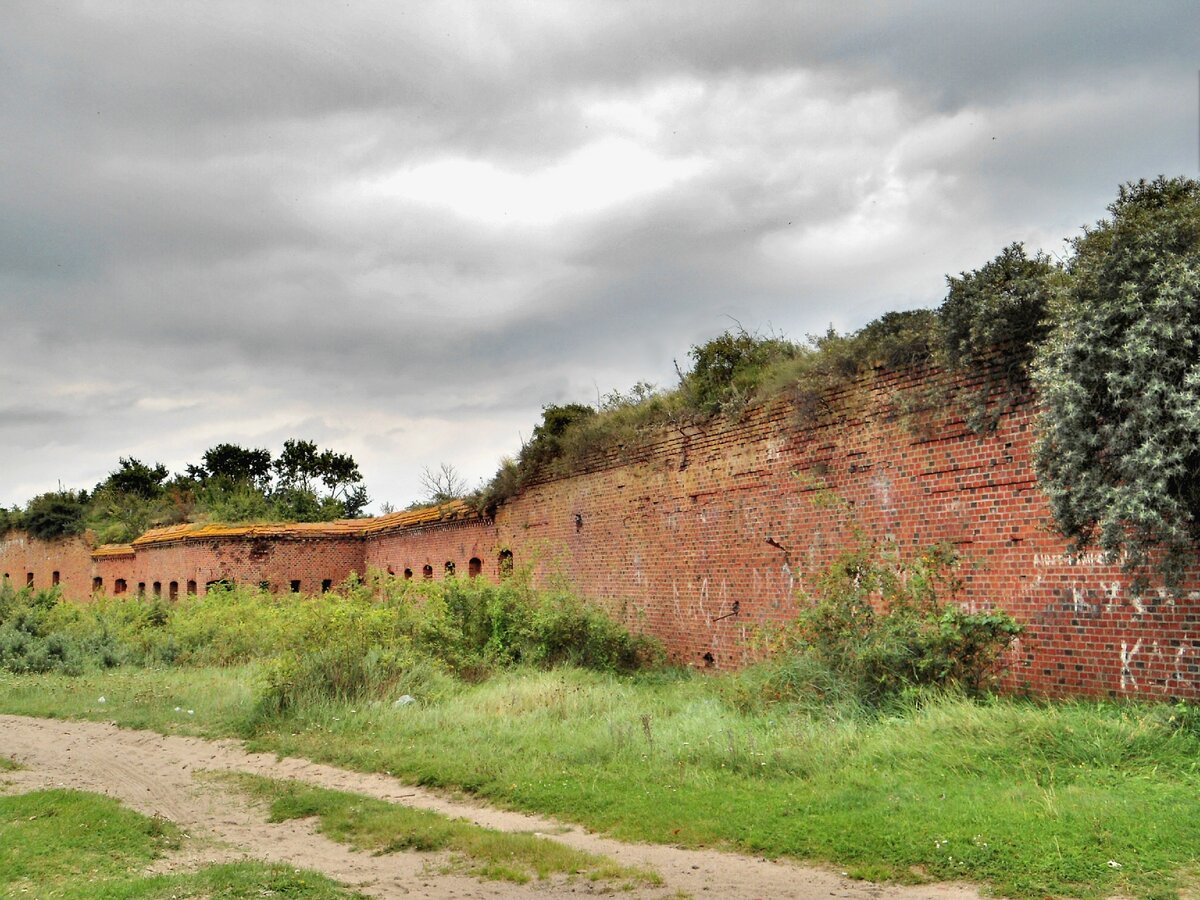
[173, 590]
[408, 574]
[474, 567]
[54, 578]
[158, 589]
[449, 568]
[427, 571]
[119, 586]
[506, 563]
[97, 584]
[141, 589]
[326, 585]
[29, 579]
[191, 587]
[295, 585]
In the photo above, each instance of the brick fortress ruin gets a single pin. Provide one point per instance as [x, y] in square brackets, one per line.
[700, 535]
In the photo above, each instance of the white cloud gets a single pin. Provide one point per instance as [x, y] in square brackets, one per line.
[596, 178]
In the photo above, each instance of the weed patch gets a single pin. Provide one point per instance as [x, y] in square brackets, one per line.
[381, 827]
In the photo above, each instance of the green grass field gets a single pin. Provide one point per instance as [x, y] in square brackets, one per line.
[73, 844]
[1072, 800]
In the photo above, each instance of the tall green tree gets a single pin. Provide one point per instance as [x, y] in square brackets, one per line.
[236, 465]
[1118, 452]
[132, 476]
[301, 469]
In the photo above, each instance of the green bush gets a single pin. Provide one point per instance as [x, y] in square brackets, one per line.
[343, 651]
[39, 632]
[386, 637]
[992, 320]
[54, 515]
[1118, 447]
[874, 629]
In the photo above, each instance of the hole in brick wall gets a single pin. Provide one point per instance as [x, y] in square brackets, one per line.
[427, 571]
[407, 574]
[326, 585]
[709, 660]
[391, 571]
[173, 590]
[474, 567]
[218, 584]
[29, 579]
[141, 589]
[54, 578]
[97, 584]
[119, 586]
[158, 589]
[506, 563]
[449, 568]
[191, 587]
[264, 586]
[296, 586]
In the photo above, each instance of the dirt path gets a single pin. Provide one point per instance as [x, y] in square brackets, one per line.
[157, 775]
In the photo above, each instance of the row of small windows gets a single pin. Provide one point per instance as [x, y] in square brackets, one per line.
[121, 586]
[474, 567]
[54, 578]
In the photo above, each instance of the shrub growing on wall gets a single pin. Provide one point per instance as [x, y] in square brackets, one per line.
[998, 314]
[1118, 452]
[54, 515]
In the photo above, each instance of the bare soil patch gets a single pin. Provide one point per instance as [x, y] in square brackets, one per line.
[163, 775]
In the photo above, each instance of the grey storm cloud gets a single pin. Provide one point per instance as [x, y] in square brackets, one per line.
[402, 228]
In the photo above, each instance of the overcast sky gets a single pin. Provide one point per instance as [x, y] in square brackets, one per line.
[400, 229]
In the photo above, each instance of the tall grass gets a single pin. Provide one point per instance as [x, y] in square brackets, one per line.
[365, 639]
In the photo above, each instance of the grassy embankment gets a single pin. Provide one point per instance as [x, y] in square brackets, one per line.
[1073, 799]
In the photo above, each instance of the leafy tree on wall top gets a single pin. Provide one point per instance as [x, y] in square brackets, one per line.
[301, 467]
[235, 465]
[1118, 451]
[546, 443]
[991, 321]
[133, 476]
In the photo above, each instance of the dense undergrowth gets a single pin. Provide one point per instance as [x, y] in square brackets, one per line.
[376, 638]
[871, 631]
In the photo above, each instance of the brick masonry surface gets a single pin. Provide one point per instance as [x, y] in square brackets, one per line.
[669, 535]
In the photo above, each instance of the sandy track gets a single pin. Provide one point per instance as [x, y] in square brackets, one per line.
[157, 775]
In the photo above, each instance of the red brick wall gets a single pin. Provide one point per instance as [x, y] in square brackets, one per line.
[253, 561]
[747, 511]
[434, 546]
[21, 555]
[677, 536]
